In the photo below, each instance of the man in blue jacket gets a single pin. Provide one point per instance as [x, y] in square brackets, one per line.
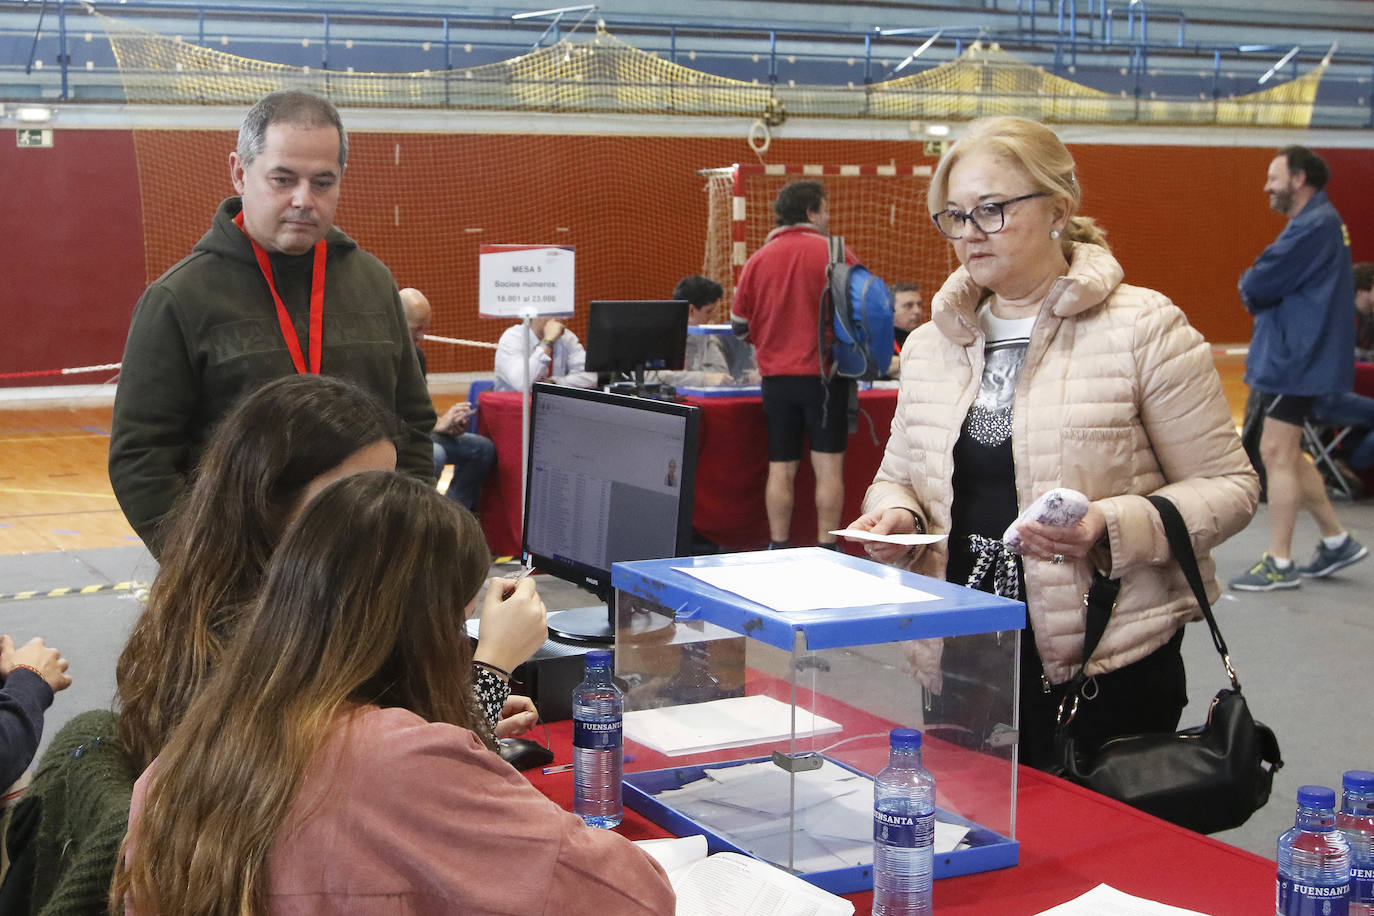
[1301, 293]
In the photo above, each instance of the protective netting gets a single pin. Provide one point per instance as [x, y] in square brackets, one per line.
[635, 209]
[879, 210]
[987, 81]
[640, 211]
[603, 74]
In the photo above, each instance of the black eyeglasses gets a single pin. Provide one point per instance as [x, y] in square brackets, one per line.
[988, 217]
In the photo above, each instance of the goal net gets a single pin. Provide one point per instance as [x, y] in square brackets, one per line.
[880, 210]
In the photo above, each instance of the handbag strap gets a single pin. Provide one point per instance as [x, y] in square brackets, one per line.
[1182, 546]
[1098, 605]
[1100, 600]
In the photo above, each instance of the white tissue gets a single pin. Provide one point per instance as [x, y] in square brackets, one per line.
[1060, 507]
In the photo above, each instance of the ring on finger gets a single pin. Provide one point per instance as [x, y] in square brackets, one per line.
[1057, 559]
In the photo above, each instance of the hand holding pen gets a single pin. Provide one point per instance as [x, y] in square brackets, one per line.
[508, 584]
[514, 623]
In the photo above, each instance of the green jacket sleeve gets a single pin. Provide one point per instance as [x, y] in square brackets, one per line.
[154, 402]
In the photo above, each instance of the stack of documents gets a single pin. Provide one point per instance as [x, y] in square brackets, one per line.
[726, 883]
[734, 722]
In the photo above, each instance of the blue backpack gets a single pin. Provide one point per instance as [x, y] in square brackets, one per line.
[855, 320]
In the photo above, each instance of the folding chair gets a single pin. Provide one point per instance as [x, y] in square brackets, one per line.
[1321, 443]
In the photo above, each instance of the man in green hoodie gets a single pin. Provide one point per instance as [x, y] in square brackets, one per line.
[272, 288]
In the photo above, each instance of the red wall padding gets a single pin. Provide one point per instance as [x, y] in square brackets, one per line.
[73, 258]
[71, 251]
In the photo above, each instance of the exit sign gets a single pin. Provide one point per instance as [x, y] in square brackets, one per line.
[33, 136]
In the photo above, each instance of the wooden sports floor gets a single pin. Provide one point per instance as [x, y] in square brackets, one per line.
[55, 494]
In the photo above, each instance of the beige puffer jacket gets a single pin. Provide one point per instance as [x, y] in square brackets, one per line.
[1118, 398]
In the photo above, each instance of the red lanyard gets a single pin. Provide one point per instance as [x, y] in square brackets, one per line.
[288, 330]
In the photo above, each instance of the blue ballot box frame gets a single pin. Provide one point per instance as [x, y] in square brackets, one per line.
[988, 850]
[720, 391]
[954, 611]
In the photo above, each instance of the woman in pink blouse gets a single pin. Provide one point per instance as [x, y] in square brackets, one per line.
[336, 760]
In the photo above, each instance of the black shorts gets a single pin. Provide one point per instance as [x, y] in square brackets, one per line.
[1292, 409]
[796, 404]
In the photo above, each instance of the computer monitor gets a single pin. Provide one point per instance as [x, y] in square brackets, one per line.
[609, 478]
[629, 337]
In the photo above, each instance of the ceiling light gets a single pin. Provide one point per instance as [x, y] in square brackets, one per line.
[1282, 60]
[556, 11]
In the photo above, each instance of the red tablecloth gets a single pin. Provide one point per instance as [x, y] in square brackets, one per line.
[732, 468]
[499, 417]
[1364, 379]
[1071, 841]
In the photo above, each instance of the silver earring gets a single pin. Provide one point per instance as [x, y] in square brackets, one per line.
[1054, 233]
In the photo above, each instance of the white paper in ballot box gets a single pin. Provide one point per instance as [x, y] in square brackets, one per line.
[735, 722]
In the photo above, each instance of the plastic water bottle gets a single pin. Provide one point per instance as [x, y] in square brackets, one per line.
[903, 830]
[1356, 821]
[1314, 860]
[598, 745]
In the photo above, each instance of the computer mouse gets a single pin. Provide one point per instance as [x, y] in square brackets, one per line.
[524, 754]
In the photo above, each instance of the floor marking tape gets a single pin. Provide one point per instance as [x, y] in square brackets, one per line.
[73, 590]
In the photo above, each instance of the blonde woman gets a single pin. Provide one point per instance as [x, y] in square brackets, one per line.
[1042, 369]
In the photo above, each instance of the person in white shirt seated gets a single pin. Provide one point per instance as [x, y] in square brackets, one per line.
[552, 352]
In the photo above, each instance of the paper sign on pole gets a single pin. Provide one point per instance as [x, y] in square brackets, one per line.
[515, 281]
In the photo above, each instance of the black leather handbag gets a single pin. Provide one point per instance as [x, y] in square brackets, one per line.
[1208, 778]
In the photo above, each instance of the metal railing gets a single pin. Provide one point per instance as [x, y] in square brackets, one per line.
[1059, 34]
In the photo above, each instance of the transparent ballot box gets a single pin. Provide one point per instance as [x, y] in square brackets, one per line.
[760, 689]
[718, 364]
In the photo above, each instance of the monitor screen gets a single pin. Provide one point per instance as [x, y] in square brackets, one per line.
[625, 336]
[610, 478]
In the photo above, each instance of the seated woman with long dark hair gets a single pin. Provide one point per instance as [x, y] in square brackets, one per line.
[276, 449]
[333, 762]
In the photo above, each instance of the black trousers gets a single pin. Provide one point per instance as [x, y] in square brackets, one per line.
[1145, 696]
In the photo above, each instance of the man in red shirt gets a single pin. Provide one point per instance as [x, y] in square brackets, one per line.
[777, 308]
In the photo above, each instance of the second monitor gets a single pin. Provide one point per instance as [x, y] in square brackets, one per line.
[627, 337]
[610, 478]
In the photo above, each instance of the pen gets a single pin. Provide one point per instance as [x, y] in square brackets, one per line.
[508, 586]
